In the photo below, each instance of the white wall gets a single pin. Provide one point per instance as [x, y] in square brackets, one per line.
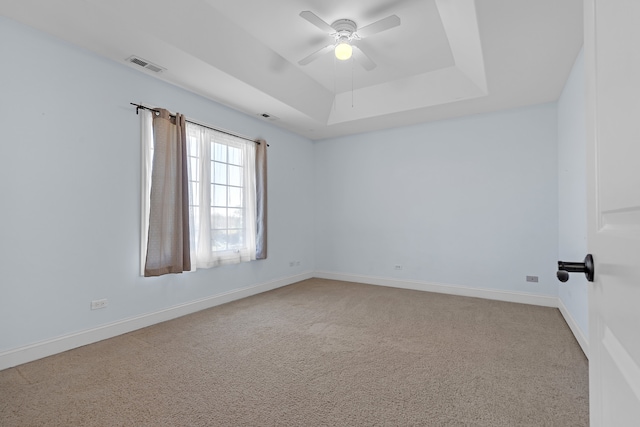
[572, 194]
[471, 202]
[69, 186]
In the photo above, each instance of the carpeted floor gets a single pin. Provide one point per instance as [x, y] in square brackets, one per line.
[318, 353]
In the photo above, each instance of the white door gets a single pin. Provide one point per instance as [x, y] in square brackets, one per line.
[612, 56]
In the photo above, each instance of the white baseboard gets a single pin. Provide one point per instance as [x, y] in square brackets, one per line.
[573, 325]
[509, 296]
[53, 346]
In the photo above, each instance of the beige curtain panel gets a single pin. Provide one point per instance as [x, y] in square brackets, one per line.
[261, 200]
[168, 242]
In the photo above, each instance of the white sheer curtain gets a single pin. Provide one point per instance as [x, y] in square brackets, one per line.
[205, 252]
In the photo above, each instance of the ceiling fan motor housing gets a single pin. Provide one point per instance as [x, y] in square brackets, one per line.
[344, 28]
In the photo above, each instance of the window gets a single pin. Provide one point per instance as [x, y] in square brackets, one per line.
[226, 198]
[227, 219]
[222, 196]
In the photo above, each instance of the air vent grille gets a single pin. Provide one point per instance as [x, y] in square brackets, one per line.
[153, 68]
[139, 62]
[145, 64]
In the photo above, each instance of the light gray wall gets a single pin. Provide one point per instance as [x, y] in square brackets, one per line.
[470, 202]
[572, 195]
[69, 186]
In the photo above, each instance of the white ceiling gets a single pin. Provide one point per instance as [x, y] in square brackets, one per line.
[448, 58]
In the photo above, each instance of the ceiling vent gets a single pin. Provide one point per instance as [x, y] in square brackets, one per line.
[145, 64]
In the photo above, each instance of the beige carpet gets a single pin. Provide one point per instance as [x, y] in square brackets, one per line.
[318, 353]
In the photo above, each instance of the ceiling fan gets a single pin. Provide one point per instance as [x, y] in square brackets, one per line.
[346, 35]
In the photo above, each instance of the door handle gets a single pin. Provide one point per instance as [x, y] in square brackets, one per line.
[586, 267]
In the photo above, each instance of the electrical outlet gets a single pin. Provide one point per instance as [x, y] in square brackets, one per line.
[99, 303]
[397, 267]
[292, 263]
[297, 263]
[533, 279]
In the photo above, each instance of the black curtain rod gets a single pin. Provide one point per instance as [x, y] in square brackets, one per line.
[140, 106]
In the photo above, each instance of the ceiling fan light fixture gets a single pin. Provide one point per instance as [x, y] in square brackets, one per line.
[343, 51]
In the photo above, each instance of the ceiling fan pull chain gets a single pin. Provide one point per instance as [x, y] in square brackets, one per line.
[335, 94]
[352, 82]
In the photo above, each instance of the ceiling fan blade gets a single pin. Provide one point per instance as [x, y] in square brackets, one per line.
[315, 55]
[315, 20]
[362, 58]
[379, 26]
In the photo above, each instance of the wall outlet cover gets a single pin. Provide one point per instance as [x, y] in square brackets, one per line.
[98, 304]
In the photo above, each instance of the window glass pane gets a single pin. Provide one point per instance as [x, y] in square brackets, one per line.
[235, 218]
[196, 219]
[235, 176]
[219, 152]
[235, 239]
[194, 197]
[218, 218]
[193, 165]
[218, 240]
[219, 173]
[193, 146]
[219, 195]
[235, 197]
[235, 156]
